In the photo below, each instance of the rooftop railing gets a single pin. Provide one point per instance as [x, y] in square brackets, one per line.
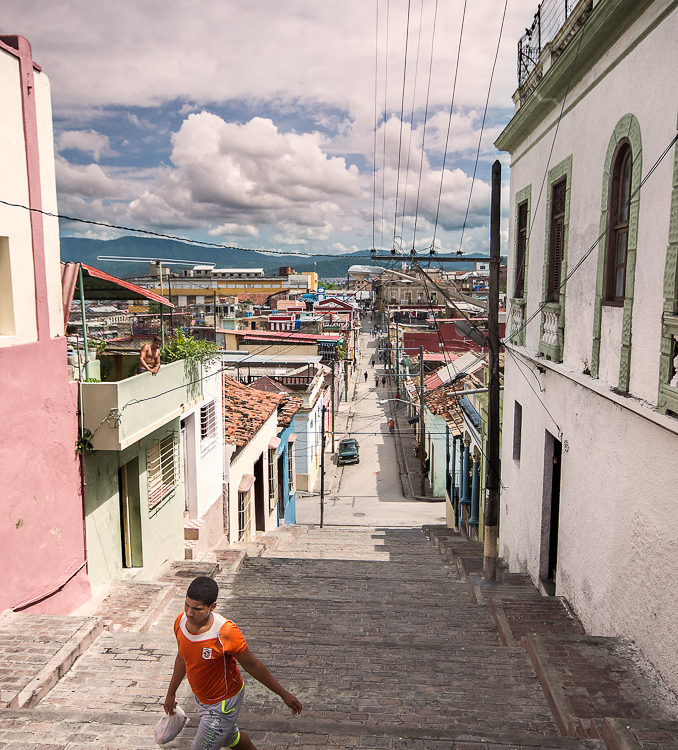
[548, 20]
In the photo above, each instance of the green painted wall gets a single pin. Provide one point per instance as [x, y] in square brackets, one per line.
[162, 530]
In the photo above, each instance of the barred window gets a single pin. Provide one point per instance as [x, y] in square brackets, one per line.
[163, 470]
[244, 513]
[208, 427]
[290, 468]
[272, 480]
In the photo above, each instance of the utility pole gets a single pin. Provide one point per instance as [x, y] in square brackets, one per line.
[397, 364]
[492, 480]
[322, 467]
[422, 442]
[346, 380]
[333, 405]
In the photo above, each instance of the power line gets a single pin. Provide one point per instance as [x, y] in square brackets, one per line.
[423, 135]
[482, 126]
[400, 138]
[383, 157]
[449, 124]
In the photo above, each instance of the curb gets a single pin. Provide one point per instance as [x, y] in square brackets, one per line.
[157, 605]
[58, 665]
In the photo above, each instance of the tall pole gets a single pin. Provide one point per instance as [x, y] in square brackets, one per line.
[322, 467]
[397, 364]
[346, 380]
[333, 404]
[162, 319]
[84, 324]
[422, 442]
[492, 481]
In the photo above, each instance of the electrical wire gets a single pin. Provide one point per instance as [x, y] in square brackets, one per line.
[402, 114]
[423, 134]
[383, 158]
[449, 125]
[482, 126]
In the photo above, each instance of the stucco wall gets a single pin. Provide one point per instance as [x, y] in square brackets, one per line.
[616, 542]
[162, 529]
[41, 532]
[596, 113]
[617, 546]
[243, 463]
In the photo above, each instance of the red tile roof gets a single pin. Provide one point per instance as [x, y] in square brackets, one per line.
[288, 336]
[245, 411]
[288, 407]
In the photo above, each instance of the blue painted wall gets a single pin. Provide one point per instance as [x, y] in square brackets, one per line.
[290, 515]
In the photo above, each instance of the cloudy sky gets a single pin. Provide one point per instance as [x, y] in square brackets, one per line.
[253, 123]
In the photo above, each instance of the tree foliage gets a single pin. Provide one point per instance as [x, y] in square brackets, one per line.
[182, 346]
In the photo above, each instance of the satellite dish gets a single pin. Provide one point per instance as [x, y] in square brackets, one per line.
[470, 332]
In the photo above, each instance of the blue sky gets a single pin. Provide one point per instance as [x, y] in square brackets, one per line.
[253, 124]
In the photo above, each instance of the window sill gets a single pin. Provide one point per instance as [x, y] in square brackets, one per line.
[613, 303]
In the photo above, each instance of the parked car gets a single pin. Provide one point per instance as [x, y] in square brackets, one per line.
[348, 452]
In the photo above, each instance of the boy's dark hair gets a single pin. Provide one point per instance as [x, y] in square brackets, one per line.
[203, 589]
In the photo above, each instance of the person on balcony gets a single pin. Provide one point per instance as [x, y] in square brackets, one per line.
[149, 358]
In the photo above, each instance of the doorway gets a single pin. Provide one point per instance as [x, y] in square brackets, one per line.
[259, 500]
[550, 513]
[130, 515]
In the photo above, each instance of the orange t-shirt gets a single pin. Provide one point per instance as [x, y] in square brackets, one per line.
[210, 667]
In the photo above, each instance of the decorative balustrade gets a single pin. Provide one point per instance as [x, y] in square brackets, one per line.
[674, 380]
[550, 329]
[517, 319]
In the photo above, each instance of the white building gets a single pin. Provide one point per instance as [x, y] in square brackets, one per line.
[202, 450]
[589, 507]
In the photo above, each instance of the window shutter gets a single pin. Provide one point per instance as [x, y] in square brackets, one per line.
[556, 242]
[521, 246]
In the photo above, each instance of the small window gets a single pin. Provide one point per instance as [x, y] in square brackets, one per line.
[517, 430]
[272, 480]
[244, 513]
[618, 225]
[290, 468]
[208, 427]
[163, 471]
[556, 241]
[521, 245]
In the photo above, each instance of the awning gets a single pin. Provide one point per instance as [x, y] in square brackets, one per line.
[273, 443]
[100, 285]
[246, 482]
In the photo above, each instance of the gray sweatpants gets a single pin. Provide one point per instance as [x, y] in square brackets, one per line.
[218, 725]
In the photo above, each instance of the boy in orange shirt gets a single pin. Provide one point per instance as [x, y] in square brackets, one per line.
[208, 647]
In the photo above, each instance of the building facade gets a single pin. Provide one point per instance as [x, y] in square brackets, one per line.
[40, 489]
[591, 394]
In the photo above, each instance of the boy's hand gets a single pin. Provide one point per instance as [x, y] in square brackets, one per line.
[292, 702]
[170, 704]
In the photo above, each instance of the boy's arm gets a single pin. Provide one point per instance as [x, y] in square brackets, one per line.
[177, 676]
[251, 664]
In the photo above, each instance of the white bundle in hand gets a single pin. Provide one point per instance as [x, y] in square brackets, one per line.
[169, 726]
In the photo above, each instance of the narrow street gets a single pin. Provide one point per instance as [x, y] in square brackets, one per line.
[371, 492]
[383, 629]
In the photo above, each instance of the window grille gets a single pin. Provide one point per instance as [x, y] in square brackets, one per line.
[290, 468]
[521, 245]
[556, 241]
[244, 513]
[163, 470]
[272, 480]
[208, 427]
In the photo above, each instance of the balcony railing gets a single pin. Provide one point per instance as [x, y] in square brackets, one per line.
[120, 413]
[549, 19]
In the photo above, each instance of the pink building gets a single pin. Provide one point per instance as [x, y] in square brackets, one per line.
[42, 526]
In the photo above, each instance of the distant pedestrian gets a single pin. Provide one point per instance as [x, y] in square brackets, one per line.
[372, 362]
[383, 381]
[376, 381]
[208, 647]
[366, 377]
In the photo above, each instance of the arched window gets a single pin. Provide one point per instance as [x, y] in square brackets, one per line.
[618, 224]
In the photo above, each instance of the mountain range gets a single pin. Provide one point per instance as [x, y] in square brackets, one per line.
[86, 250]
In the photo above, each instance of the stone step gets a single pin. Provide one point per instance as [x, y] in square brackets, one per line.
[588, 678]
[515, 619]
[86, 728]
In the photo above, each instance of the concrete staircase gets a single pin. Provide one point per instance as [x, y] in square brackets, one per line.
[387, 643]
[597, 687]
